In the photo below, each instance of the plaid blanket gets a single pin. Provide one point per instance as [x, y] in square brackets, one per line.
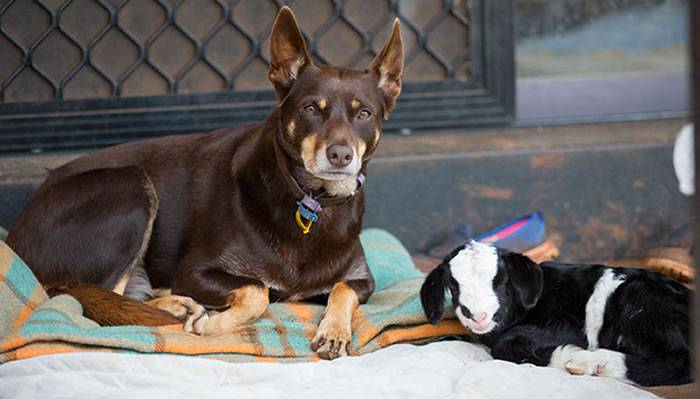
[31, 324]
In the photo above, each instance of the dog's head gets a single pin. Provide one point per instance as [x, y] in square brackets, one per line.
[491, 288]
[330, 117]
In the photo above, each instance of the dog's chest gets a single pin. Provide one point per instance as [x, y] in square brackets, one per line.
[295, 271]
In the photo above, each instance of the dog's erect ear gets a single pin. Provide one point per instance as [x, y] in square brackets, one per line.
[526, 279]
[388, 65]
[432, 293]
[288, 54]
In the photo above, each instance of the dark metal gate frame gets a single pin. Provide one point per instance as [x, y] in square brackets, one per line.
[487, 98]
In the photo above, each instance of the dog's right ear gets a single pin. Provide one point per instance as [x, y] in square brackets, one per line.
[388, 66]
[288, 54]
[432, 293]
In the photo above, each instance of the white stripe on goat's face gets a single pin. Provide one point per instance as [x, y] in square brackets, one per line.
[474, 269]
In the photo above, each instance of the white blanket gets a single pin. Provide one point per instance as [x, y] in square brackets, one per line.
[438, 370]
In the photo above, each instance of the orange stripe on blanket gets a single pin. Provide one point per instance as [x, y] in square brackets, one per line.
[192, 347]
[7, 256]
[364, 328]
[303, 312]
[282, 333]
[24, 314]
[38, 296]
[266, 360]
[35, 350]
[304, 315]
[10, 343]
[423, 331]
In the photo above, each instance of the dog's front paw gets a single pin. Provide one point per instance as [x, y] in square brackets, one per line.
[182, 307]
[332, 339]
[195, 323]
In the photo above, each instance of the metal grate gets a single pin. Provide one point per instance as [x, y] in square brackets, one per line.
[79, 73]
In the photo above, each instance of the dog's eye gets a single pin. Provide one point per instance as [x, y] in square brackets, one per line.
[364, 114]
[310, 109]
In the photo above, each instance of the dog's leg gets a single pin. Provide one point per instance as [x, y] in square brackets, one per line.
[248, 303]
[138, 286]
[244, 299]
[334, 333]
[182, 307]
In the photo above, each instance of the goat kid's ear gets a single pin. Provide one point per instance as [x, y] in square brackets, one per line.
[526, 278]
[388, 65]
[288, 54]
[432, 293]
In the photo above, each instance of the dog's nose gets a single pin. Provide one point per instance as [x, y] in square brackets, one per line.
[479, 317]
[339, 155]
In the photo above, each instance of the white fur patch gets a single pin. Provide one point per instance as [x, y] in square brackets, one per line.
[474, 269]
[294, 67]
[563, 355]
[291, 128]
[319, 166]
[341, 188]
[578, 361]
[595, 307]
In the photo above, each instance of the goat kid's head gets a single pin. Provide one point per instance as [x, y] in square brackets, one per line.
[491, 288]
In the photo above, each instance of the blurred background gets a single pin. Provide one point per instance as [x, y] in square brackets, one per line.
[509, 106]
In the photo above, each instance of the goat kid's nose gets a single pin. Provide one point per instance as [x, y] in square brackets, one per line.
[479, 317]
[339, 155]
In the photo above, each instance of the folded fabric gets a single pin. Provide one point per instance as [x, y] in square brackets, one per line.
[518, 235]
[31, 324]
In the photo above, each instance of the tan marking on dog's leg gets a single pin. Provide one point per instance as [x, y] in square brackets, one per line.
[161, 292]
[308, 151]
[247, 305]
[322, 103]
[355, 104]
[150, 191]
[334, 333]
[182, 307]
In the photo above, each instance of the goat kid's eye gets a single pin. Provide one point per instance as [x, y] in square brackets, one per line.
[466, 311]
[364, 114]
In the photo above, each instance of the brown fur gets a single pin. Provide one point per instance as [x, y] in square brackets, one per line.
[224, 234]
[110, 309]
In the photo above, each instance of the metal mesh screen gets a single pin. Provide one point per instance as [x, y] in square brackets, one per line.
[84, 49]
[90, 73]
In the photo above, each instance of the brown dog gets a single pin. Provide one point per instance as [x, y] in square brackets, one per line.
[215, 218]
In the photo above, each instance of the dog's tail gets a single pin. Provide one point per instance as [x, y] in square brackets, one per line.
[110, 309]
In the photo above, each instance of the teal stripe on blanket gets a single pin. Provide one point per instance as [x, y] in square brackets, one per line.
[21, 279]
[387, 258]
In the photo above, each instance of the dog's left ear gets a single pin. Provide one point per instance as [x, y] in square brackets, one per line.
[388, 65]
[432, 293]
[526, 278]
[288, 54]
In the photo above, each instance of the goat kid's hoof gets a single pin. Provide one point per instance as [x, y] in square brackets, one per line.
[600, 363]
[331, 342]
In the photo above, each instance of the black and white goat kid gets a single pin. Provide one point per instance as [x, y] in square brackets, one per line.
[628, 324]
